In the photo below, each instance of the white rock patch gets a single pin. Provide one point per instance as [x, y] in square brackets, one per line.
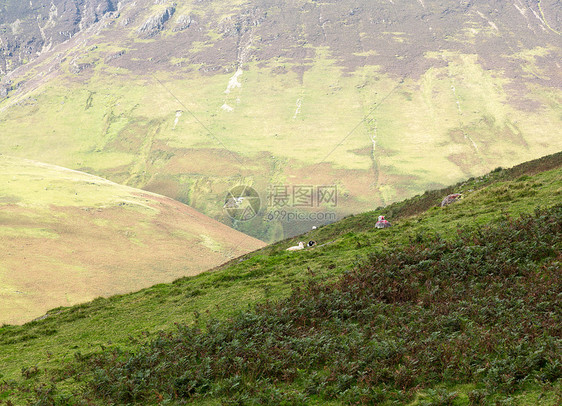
[233, 83]
[227, 108]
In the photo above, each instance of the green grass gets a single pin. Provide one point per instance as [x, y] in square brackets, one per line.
[271, 273]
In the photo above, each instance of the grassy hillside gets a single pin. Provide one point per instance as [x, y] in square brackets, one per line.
[382, 99]
[455, 305]
[68, 237]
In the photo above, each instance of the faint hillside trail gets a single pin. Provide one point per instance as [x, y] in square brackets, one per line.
[544, 19]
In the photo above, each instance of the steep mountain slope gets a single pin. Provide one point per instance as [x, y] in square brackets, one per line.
[487, 336]
[67, 237]
[382, 99]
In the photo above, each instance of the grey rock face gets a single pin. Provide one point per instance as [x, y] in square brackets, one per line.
[29, 28]
[184, 22]
[155, 24]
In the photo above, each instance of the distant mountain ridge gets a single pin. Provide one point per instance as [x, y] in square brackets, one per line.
[382, 99]
[341, 25]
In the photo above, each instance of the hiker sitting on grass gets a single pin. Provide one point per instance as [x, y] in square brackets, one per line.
[382, 223]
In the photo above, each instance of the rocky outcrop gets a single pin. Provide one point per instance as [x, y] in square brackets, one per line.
[5, 89]
[78, 68]
[156, 23]
[7, 86]
[115, 55]
[238, 25]
[30, 28]
[94, 10]
[183, 23]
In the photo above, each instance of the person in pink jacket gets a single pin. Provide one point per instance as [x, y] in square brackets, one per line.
[382, 223]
